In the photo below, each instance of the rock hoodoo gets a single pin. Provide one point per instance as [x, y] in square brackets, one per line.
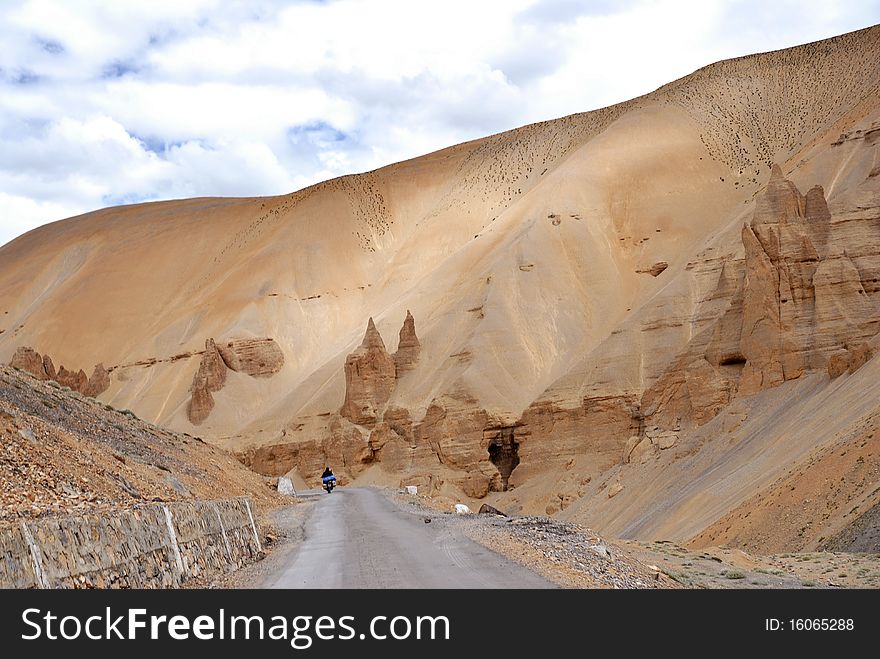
[369, 379]
[210, 377]
[49, 367]
[408, 347]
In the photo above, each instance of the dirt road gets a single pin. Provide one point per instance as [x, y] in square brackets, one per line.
[357, 538]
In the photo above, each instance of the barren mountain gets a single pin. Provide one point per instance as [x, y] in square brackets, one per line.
[657, 318]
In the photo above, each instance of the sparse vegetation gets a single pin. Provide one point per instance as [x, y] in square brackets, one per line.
[680, 577]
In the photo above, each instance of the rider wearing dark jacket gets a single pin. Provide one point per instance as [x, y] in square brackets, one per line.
[327, 472]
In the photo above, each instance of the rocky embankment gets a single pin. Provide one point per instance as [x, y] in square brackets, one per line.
[65, 453]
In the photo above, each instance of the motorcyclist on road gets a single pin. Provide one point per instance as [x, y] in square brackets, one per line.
[328, 479]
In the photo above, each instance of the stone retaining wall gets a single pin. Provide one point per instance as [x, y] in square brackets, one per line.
[150, 546]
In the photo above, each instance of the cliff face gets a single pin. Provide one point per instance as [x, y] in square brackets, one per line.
[800, 300]
[792, 304]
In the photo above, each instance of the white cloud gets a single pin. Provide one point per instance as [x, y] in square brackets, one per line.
[104, 103]
[21, 214]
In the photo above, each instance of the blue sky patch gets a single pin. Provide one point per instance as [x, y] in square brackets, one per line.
[50, 45]
[315, 132]
[118, 69]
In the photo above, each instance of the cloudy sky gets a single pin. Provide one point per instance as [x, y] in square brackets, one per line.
[105, 103]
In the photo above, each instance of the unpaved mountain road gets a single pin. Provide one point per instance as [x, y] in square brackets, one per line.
[357, 538]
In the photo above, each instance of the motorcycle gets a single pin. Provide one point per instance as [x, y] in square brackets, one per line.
[329, 483]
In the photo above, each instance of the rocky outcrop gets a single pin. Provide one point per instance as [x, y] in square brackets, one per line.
[800, 302]
[852, 359]
[861, 354]
[549, 431]
[838, 364]
[49, 367]
[42, 368]
[408, 347]
[259, 358]
[799, 297]
[692, 388]
[78, 381]
[391, 441]
[453, 429]
[655, 270]
[369, 379]
[803, 295]
[278, 459]
[450, 446]
[340, 444]
[796, 298]
[212, 369]
[200, 405]
[210, 377]
[99, 381]
[28, 359]
[788, 272]
[456, 444]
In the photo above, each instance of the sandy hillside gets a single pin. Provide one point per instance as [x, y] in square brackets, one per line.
[624, 300]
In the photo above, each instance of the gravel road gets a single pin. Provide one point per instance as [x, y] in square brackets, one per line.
[357, 538]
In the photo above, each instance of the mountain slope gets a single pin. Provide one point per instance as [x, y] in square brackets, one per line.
[567, 281]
